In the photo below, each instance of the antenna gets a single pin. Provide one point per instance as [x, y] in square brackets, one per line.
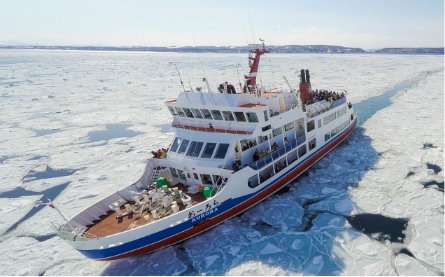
[252, 29]
[203, 72]
[246, 35]
[174, 63]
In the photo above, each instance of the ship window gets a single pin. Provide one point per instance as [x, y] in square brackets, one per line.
[217, 179]
[173, 171]
[312, 144]
[266, 173]
[206, 114]
[196, 113]
[310, 125]
[181, 175]
[280, 165]
[327, 136]
[292, 156]
[253, 181]
[175, 145]
[288, 126]
[252, 117]
[180, 112]
[333, 133]
[326, 120]
[248, 143]
[217, 115]
[188, 113]
[262, 139]
[195, 148]
[319, 123]
[240, 116]
[195, 176]
[302, 150]
[265, 128]
[206, 179]
[277, 131]
[172, 111]
[183, 146]
[208, 150]
[222, 150]
[266, 117]
[228, 116]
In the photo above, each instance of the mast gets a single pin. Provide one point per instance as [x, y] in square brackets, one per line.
[254, 61]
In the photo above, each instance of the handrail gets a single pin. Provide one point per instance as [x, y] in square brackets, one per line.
[334, 104]
[277, 154]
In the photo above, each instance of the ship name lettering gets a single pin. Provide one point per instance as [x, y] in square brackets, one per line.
[204, 214]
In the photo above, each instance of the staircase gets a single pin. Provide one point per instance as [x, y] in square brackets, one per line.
[150, 174]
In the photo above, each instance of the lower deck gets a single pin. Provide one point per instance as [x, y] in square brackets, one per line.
[109, 224]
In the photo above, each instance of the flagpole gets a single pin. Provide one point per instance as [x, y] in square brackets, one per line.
[50, 203]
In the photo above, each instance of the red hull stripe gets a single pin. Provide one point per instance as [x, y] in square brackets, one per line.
[212, 222]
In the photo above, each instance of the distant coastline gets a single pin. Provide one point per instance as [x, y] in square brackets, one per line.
[240, 49]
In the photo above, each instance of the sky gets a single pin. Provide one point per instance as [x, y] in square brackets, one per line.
[367, 24]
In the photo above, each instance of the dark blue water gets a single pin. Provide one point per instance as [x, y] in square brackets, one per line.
[434, 167]
[112, 131]
[434, 184]
[367, 108]
[385, 228]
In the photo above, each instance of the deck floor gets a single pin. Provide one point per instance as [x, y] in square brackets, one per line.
[108, 224]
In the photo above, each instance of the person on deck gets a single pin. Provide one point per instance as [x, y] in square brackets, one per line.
[256, 155]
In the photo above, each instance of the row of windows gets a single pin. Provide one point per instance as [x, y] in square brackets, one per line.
[341, 112]
[193, 149]
[335, 131]
[273, 169]
[329, 118]
[205, 178]
[334, 115]
[215, 114]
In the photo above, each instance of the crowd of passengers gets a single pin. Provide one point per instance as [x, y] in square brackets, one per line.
[160, 154]
[329, 96]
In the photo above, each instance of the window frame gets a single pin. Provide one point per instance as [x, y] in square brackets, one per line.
[187, 142]
[252, 117]
[204, 150]
[196, 113]
[236, 116]
[177, 146]
[217, 113]
[227, 145]
[172, 110]
[203, 114]
[229, 114]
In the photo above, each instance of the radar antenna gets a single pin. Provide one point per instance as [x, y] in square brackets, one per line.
[180, 79]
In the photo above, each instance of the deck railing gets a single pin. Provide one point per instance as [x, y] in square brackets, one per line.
[277, 154]
[320, 110]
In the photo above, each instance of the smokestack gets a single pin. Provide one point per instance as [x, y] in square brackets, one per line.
[305, 86]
